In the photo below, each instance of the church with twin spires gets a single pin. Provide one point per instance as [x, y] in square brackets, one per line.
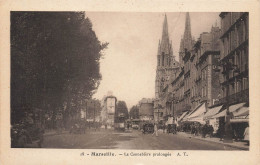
[168, 69]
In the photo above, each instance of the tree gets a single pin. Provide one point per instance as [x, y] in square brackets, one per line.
[122, 108]
[134, 112]
[54, 61]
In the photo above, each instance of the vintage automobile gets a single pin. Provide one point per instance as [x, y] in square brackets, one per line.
[148, 128]
[136, 123]
[172, 128]
[25, 135]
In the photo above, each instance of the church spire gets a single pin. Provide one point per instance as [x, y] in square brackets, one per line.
[165, 42]
[187, 38]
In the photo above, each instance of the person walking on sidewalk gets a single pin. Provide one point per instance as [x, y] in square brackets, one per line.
[155, 130]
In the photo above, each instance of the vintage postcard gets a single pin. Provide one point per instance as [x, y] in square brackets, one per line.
[130, 82]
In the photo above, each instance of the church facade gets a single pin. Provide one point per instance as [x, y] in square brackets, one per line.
[166, 71]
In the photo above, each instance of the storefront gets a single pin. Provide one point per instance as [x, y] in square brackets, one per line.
[213, 121]
[239, 120]
[197, 114]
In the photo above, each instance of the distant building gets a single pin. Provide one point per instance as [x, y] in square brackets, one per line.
[167, 69]
[108, 109]
[146, 111]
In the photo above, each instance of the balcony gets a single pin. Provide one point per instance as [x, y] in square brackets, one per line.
[242, 96]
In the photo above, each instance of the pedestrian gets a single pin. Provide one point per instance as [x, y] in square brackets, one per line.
[155, 130]
[164, 127]
[211, 130]
[128, 126]
[193, 129]
[204, 131]
[246, 135]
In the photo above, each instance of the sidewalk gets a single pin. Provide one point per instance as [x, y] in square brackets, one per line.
[239, 144]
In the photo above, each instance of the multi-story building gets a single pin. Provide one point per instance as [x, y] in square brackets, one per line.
[234, 38]
[198, 82]
[146, 109]
[205, 82]
[167, 69]
[108, 109]
[181, 85]
[178, 94]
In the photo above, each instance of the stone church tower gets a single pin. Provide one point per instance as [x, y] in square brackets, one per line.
[167, 66]
[187, 41]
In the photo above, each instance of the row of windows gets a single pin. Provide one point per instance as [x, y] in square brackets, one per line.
[235, 37]
[240, 60]
[236, 87]
[162, 62]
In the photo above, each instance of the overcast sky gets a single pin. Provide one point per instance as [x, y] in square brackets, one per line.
[129, 65]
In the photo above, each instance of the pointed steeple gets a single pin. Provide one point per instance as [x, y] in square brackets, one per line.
[159, 48]
[187, 38]
[165, 37]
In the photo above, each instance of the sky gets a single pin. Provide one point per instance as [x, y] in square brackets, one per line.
[129, 65]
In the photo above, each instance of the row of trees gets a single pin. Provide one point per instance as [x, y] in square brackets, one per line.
[134, 112]
[54, 62]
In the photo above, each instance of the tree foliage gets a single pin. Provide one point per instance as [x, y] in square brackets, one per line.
[134, 112]
[122, 108]
[54, 61]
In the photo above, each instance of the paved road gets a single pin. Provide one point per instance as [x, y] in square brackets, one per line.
[133, 139]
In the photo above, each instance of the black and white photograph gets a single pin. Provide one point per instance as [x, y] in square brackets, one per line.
[129, 80]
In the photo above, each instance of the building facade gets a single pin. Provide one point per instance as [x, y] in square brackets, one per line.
[146, 112]
[108, 109]
[234, 39]
[205, 81]
[197, 83]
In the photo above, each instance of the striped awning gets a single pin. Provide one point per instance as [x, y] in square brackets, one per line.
[199, 111]
[212, 111]
[232, 108]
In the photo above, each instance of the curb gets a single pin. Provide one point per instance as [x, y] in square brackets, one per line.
[225, 144]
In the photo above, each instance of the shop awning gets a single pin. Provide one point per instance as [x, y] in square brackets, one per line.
[186, 116]
[240, 119]
[198, 119]
[199, 111]
[182, 116]
[232, 108]
[212, 111]
[243, 111]
[189, 114]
